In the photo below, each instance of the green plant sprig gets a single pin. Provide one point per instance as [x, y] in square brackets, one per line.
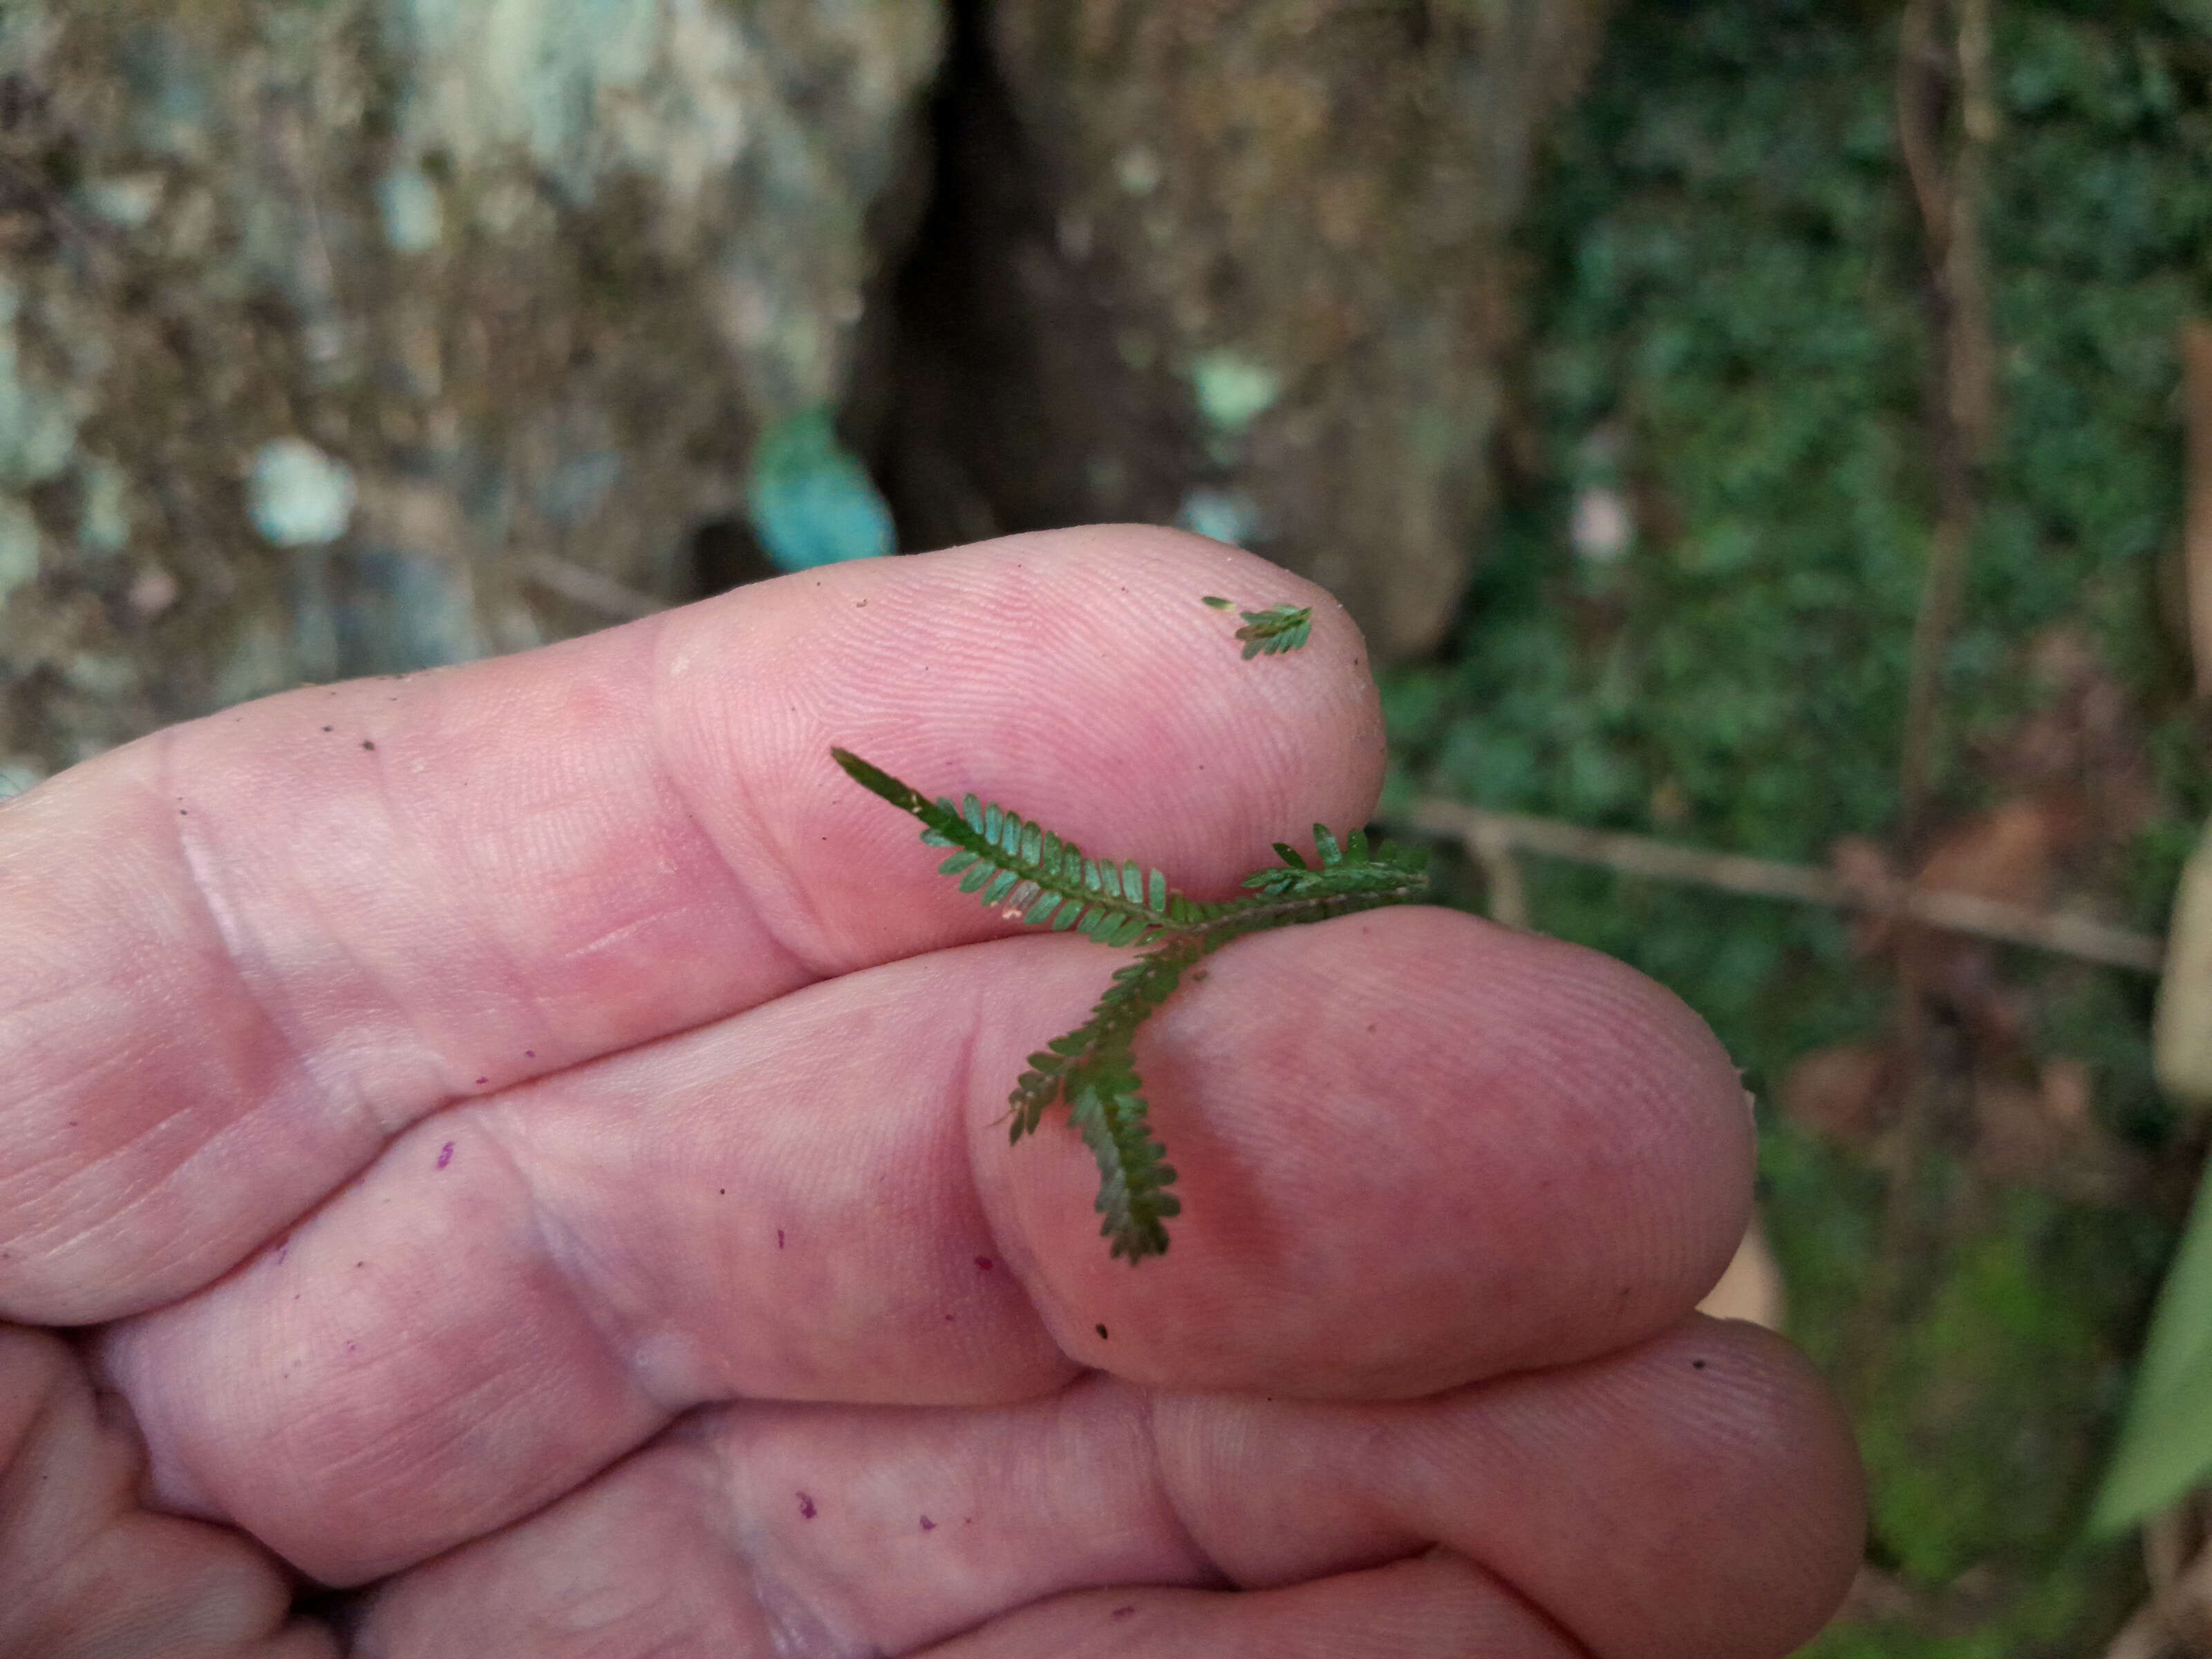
[1030, 875]
[1269, 632]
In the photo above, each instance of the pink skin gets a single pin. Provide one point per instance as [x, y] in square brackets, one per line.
[530, 1162]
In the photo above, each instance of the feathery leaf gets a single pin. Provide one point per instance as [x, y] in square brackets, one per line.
[1012, 865]
[1040, 878]
[1278, 628]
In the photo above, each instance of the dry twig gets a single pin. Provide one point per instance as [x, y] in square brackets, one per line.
[1488, 836]
[588, 588]
[2197, 541]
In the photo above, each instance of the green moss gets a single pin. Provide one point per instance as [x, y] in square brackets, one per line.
[1727, 336]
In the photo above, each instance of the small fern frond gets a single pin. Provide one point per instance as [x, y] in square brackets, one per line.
[1105, 1039]
[1133, 1204]
[1093, 1068]
[1029, 875]
[1278, 628]
[1351, 871]
[1034, 875]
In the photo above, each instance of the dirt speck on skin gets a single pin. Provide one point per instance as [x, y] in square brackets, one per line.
[1101, 1329]
[928, 1525]
[367, 743]
[805, 1507]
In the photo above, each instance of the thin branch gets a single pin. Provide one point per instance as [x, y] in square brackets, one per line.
[2196, 540]
[1501, 874]
[2177, 1620]
[588, 588]
[1486, 834]
[1932, 81]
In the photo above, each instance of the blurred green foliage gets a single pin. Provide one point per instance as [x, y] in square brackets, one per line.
[1694, 620]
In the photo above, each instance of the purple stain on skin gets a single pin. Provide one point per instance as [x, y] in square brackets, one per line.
[482, 1081]
[1120, 1614]
[983, 1262]
[778, 1238]
[530, 1054]
[445, 1154]
[283, 1250]
[928, 1525]
[350, 1346]
[805, 1507]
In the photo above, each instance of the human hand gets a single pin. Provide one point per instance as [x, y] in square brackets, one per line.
[528, 1138]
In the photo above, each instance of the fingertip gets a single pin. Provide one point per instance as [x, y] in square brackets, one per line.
[1414, 1150]
[1745, 1453]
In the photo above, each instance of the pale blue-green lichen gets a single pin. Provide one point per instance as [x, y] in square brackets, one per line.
[103, 513]
[414, 217]
[19, 546]
[38, 425]
[1233, 389]
[810, 500]
[1226, 515]
[297, 496]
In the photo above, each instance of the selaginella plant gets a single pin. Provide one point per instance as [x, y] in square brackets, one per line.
[1030, 875]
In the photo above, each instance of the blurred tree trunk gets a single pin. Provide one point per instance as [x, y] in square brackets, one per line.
[318, 317]
[1241, 264]
[329, 328]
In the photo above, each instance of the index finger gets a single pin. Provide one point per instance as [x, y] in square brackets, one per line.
[239, 956]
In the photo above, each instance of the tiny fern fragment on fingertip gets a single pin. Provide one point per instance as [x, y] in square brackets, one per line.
[1032, 876]
[1278, 628]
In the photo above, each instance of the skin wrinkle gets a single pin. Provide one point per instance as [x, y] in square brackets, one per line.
[151, 1189]
[1538, 1613]
[735, 788]
[228, 928]
[199, 880]
[1165, 1492]
[364, 1455]
[619, 1341]
[774, 1597]
[979, 1191]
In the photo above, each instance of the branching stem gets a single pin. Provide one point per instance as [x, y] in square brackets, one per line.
[1031, 875]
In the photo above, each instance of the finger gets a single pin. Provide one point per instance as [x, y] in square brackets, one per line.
[1417, 1149]
[84, 1570]
[1436, 1606]
[236, 957]
[1696, 1497]
[1699, 1495]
